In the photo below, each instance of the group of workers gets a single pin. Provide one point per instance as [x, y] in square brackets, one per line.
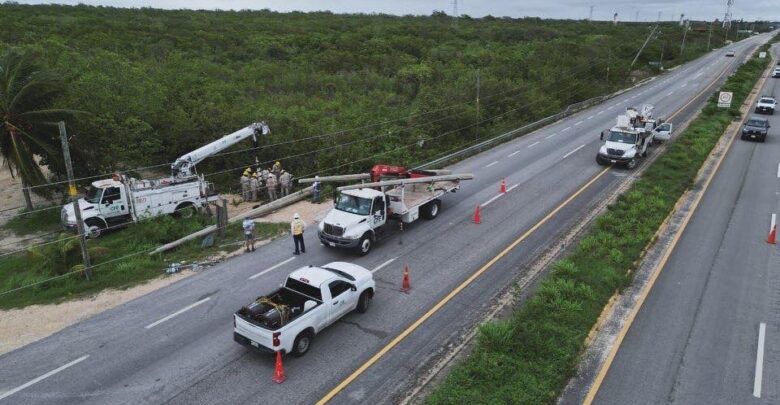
[274, 179]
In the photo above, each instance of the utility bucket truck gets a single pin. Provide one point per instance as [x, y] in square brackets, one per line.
[362, 211]
[121, 200]
[628, 141]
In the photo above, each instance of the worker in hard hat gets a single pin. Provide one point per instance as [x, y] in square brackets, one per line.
[270, 184]
[254, 185]
[245, 184]
[285, 181]
[296, 228]
[277, 169]
[316, 188]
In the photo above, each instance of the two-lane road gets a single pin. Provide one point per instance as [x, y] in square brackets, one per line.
[175, 344]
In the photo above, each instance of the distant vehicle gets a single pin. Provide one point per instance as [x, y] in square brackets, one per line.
[362, 211]
[310, 300]
[630, 138]
[755, 128]
[730, 54]
[766, 105]
[663, 132]
[121, 200]
[776, 73]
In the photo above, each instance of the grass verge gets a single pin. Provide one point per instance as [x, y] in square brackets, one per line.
[119, 259]
[529, 357]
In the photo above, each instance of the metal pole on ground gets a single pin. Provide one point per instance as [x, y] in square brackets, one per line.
[74, 200]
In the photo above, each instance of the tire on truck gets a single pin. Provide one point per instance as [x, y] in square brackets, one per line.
[302, 343]
[431, 210]
[365, 244]
[95, 227]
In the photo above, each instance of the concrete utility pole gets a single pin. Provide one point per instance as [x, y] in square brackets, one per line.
[709, 37]
[476, 131]
[642, 48]
[659, 17]
[590, 16]
[74, 200]
[636, 17]
[661, 58]
[685, 32]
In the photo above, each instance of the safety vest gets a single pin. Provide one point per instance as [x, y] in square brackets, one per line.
[297, 227]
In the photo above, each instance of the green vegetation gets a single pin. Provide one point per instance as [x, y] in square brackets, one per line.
[116, 264]
[29, 223]
[160, 83]
[528, 358]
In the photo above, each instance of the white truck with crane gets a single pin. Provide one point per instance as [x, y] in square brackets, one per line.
[630, 138]
[362, 211]
[121, 200]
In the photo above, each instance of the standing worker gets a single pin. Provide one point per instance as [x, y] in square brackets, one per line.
[249, 234]
[277, 169]
[254, 185]
[271, 185]
[245, 185]
[316, 188]
[296, 227]
[285, 180]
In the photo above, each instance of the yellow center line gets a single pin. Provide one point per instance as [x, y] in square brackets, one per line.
[411, 328]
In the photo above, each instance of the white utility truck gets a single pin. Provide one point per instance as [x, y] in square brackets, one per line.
[121, 200]
[362, 211]
[310, 300]
[629, 140]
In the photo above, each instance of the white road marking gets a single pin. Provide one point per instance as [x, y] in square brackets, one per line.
[486, 203]
[515, 152]
[683, 85]
[43, 377]
[177, 313]
[274, 267]
[600, 112]
[491, 164]
[670, 93]
[577, 123]
[778, 170]
[590, 118]
[572, 152]
[548, 137]
[566, 129]
[759, 361]
[533, 144]
[698, 74]
[384, 264]
[512, 188]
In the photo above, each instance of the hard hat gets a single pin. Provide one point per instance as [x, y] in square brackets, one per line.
[316, 177]
[296, 216]
[248, 169]
[277, 162]
[254, 175]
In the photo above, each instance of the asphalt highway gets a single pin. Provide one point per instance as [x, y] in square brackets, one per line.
[175, 345]
[709, 331]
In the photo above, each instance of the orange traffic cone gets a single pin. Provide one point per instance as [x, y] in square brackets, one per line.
[503, 186]
[772, 231]
[279, 376]
[406, 284]
[477, 216]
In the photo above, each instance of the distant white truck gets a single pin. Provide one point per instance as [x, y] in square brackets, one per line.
[361, 211]
[311, 299]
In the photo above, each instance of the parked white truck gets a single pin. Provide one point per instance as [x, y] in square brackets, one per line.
[629, 140]
[122, 200]
[311, 299]
[361, 211]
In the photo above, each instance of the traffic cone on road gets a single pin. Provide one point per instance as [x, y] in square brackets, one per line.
[477, 216]
[406, 284]
[772, 231]
[503, 186]
[279, 376]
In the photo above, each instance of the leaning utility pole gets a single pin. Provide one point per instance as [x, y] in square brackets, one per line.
[709, 37]
[685, 32]
[642, 48]
[476, 131]
[74, 200]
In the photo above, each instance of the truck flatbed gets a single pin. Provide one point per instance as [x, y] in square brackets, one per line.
[415, 195]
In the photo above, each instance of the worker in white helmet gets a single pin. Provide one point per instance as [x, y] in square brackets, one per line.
[296, 228]
[245, 184]
[254, 185]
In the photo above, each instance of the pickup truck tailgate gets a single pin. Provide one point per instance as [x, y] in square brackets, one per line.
[255, 336]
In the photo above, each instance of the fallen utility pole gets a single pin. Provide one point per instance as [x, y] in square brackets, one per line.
[344, 177]
[416, 180]
[75, 200]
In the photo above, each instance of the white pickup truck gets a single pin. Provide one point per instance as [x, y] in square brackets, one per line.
[310, 300]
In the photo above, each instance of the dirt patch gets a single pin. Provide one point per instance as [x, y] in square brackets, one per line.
[16, 330]
[309, 212]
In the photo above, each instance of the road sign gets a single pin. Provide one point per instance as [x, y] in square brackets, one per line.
[724, 99]
[762, 55]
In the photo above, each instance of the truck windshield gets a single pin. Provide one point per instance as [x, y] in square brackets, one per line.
[353, 205]
[621, 137]
[93, 195]
[304, 288]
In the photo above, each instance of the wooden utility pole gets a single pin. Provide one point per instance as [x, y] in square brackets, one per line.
[476, 130]
[75, 200]
[685, 32]
[709, 37]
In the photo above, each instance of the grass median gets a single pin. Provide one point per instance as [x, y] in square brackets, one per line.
[529, 357]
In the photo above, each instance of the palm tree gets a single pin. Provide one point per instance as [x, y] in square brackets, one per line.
[27, 119]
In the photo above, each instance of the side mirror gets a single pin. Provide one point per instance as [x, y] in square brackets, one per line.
[601, 136]
[352, 287]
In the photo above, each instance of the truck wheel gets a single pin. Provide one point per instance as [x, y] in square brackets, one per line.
[302, 344]
[186, 210]
[365, 244]
[631, 164]
[431, 210]
[599, 161]
[95, 228]
[364, 302]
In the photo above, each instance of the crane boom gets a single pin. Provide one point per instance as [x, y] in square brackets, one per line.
[184, 166]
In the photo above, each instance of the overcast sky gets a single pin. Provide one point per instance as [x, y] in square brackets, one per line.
[577, 9]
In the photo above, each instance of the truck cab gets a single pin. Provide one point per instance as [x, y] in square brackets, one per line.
[624, 144]
[105, 204]
[356, 217]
